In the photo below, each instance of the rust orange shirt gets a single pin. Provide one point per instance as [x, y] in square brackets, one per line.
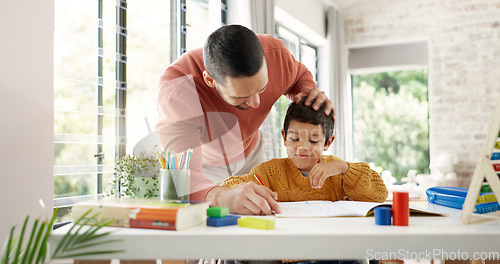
[193, 115]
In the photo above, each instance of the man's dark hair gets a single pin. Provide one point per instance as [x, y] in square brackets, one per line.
[234, 51]
[306, 114]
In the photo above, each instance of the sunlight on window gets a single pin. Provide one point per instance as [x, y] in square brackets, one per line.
[148, 55]
[85, 86]
[88, 99]
[197, 23]
[390, 119]
[75, 112]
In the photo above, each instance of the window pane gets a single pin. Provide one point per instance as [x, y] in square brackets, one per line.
[84, 95]
[75, 41]
[85, 84]
[148, 54]
[197, 23]
[390, 112]
[305, 54]
[290, 40]
[308, 56]
[109, 59]
[75, 97]
[109, 109]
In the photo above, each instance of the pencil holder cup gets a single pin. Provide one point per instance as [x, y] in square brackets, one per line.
[174, 184]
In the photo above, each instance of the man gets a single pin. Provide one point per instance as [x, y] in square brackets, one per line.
[214, 101]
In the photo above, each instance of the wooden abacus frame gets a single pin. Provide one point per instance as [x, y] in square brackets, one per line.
[483, 170]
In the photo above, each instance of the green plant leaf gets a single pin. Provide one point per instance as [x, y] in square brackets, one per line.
[30, 242]
[67, 239]
[91, 234]
[20, 242]
[91, 253]
[33, 251]
[84, 238]
[36, 250]
[8, 246]
[88, 245]
[43, 247]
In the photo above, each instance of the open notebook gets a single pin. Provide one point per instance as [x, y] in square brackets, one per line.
[332, 209]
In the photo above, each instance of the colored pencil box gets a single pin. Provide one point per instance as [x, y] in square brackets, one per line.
[454, 197]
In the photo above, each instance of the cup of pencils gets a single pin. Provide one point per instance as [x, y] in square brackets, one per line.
[175, 175]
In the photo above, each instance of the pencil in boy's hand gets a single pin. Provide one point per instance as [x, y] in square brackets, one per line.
[258, 179]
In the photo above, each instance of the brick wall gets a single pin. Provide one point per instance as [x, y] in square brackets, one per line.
[464, 66]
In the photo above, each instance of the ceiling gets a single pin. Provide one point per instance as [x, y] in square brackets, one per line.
[342, 4]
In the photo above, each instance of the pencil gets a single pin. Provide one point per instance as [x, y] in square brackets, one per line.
[258, 179]
[160, 159]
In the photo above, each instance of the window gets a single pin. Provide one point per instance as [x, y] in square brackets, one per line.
[148, 54]
[197, 28]
[203, 17]
[303, 52]
[108, 57]
[390, 106]
[390, 120]
[84, 97]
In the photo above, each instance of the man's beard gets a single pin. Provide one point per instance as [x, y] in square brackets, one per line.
[237, 106]
[241, 107]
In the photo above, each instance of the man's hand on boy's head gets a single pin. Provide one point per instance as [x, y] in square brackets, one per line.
[319, 97]
[250, 199]
[323, 170]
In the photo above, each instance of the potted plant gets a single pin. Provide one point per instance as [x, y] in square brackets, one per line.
[136, 176]
[32, 245]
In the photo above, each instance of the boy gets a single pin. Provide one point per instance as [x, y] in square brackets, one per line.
[307, 174]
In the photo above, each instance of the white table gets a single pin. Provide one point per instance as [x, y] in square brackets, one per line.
[315, 238]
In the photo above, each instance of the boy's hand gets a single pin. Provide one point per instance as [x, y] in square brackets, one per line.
[321, 171]
[249, 198]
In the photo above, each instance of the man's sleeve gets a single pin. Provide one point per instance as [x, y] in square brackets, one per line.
[181, 124]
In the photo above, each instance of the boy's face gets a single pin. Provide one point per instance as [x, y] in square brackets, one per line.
[304, 144]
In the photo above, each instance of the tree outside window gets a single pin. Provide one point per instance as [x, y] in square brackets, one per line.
[390, 119]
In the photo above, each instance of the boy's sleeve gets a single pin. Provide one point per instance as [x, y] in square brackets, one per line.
[361, 183]
[234, 181]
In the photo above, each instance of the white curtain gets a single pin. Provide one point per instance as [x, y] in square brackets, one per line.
[262, 22]
[262, 16]
[341, 91]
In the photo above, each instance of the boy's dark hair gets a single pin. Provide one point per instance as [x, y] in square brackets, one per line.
[305, 114]
[234, 51]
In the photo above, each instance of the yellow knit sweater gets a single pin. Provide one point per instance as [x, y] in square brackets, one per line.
[360, 183]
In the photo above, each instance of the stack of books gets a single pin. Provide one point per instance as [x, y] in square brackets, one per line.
[144, 213]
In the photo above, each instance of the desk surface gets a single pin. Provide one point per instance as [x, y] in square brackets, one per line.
[315, 238]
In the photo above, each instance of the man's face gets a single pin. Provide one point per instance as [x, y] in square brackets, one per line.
[244, 92]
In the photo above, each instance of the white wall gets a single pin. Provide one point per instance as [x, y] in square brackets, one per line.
[464, 66]
[26, 109]
[294, 14]
[310, 13]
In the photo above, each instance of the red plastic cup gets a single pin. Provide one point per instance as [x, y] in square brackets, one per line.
[400, 208]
